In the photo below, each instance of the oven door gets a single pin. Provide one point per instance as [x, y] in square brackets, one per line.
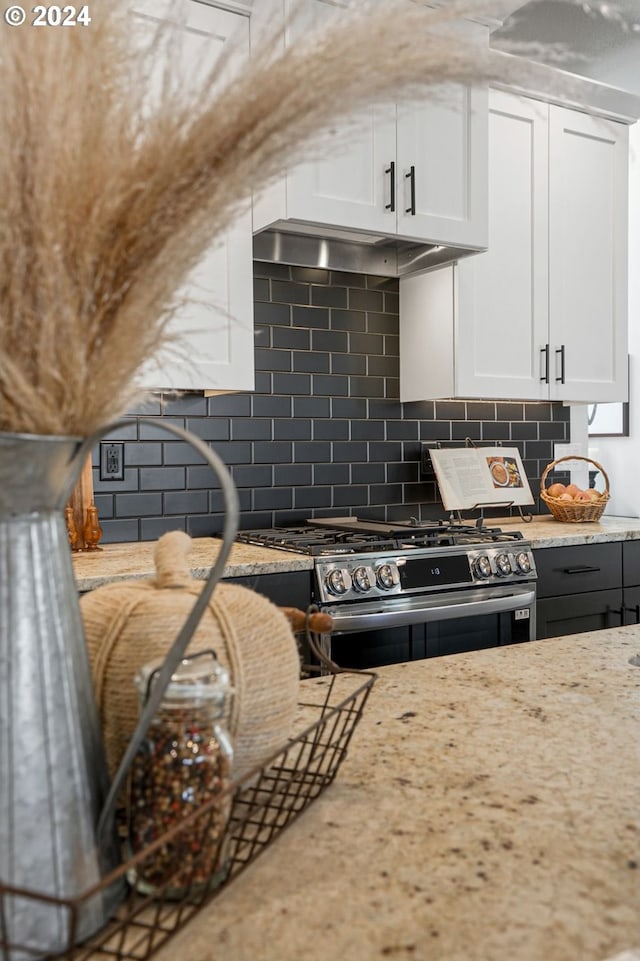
[392, 630]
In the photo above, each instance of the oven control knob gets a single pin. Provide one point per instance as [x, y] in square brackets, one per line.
[361, 580]
[482, 566]
[338, 581]
[503, 565]
[523, 562]
[387, 576]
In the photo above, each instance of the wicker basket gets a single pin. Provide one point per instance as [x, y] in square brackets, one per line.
[575, 512]
[265, 802]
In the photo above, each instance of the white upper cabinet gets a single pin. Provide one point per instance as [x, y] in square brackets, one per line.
[415, 170]
[441, 159]
[542, 314]
[503, 305]
[588, 243]
[213, 341]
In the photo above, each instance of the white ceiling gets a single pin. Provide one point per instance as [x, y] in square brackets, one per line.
[602, 39]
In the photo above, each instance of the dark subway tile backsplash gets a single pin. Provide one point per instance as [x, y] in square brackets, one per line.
[324, 432]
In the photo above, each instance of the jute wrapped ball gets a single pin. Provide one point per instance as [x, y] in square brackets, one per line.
[132, 622]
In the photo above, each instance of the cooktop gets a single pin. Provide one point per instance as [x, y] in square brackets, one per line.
[351, 535]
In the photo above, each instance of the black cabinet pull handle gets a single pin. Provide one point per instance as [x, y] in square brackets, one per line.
[545, 377]
[411, 177]
[617, 612]
[634, 610]
[581, 569]
[560, 351]
[391, 170]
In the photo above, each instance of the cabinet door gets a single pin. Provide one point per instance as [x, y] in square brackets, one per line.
[502, 307]
[288, 589]
[213, 329]
[631, 597]
[359, 177]
[587, 256]
[577, 613]
[631, 581]
[442, 163]
[631, 563]
[347, 183]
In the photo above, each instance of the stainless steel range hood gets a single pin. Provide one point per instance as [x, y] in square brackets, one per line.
[333, 249]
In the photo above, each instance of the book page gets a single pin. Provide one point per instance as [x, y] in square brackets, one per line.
[471, 477]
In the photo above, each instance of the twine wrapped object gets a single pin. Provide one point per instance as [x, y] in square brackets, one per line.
[575, 512]
[132, 622]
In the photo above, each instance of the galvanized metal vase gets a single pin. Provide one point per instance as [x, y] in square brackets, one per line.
[57, 834]
[53, 776]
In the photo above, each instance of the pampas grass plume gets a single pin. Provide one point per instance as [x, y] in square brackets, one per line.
[108, 200]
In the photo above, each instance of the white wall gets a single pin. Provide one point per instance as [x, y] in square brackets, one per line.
[620, 456]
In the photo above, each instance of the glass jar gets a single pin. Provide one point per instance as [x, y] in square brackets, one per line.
[183, 764]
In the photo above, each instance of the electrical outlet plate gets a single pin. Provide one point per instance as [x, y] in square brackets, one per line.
[111, 461]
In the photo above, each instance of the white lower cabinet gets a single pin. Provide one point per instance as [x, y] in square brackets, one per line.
[212, 346]
[542, 315]
[415, 171]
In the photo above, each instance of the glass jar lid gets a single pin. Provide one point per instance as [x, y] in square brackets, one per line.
[199, 677]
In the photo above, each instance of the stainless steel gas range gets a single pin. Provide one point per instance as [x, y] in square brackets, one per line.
[402, 591]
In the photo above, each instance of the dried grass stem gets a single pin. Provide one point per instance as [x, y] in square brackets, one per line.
[107, 205]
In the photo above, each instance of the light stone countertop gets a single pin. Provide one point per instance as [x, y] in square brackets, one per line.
[488, 810]
[545, 531]
[118, 562]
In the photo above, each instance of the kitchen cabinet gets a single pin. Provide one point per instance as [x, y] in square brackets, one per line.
[416, 171]
[588, 214]
[631, 582]
[580, 588]
[213, 328]
[587, 587]
[542, 315]
[286, 589]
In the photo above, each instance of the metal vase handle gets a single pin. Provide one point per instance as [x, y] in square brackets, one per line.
[179, 646]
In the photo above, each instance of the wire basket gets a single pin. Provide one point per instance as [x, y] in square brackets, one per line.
[575, 512]
[265, 801]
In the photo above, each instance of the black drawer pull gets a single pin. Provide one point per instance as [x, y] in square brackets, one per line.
[581, 569]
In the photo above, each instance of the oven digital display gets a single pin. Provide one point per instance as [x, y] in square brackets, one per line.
[431, 571]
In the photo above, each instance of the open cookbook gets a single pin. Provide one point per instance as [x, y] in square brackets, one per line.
[471, 477]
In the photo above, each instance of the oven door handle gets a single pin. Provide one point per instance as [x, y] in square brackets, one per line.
[422, 615]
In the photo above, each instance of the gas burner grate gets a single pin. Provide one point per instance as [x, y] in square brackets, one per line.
[315, 541]
[471, 534]
[358, 539]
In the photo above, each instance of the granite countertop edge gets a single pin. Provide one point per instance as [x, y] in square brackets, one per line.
[545, 531]
[130, 561]
[134, 561]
